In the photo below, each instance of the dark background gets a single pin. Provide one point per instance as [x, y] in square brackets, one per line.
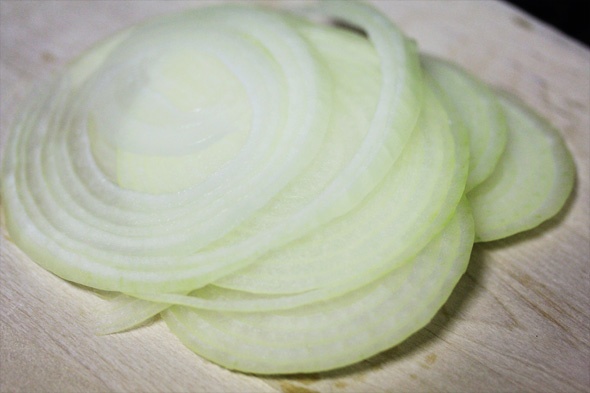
[571, 17]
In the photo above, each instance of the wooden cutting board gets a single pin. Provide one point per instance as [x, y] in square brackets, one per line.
[517, 321]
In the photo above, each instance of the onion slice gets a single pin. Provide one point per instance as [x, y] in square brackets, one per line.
[338, 332]
[89, 230]
[289, 196]
[532, 181]
[476, 106]
[396, 221]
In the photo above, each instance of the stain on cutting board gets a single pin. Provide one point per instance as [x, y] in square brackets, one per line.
[287, 387]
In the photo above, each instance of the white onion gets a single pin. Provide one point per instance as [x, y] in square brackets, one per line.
[290, 196]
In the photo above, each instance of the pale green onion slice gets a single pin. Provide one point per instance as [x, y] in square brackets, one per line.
[338, 332]
[361, 251]
[531, 182]
[290, 197]
[476, 105]
[221, 299]
[103, 236]
[398, 219]
[176, 226]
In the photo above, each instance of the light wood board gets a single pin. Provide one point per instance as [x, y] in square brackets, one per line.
[517, 321]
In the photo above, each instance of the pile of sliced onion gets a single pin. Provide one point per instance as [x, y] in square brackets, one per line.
[289, 196]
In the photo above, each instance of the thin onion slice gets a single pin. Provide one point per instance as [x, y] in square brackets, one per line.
[532, 181]
[474, 104]
[338, 332]
[397, 220]
[290, 197]
[123, 249]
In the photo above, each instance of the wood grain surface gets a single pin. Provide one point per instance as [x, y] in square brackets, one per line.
[517, 321]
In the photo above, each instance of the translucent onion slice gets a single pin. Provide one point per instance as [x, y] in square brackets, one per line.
[221, 299]
[126, 213]
[102, 205]
[532, 181]
[398, 219]
[337, 332]
[385, 232]
[326, 219]
[476, 105]
[91, 231]
[52, 212]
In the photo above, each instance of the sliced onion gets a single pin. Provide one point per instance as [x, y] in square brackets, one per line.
[335, 333]
[291, 197]
[532, 181]
[104, 236]
[476, 106]
[392, 224]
